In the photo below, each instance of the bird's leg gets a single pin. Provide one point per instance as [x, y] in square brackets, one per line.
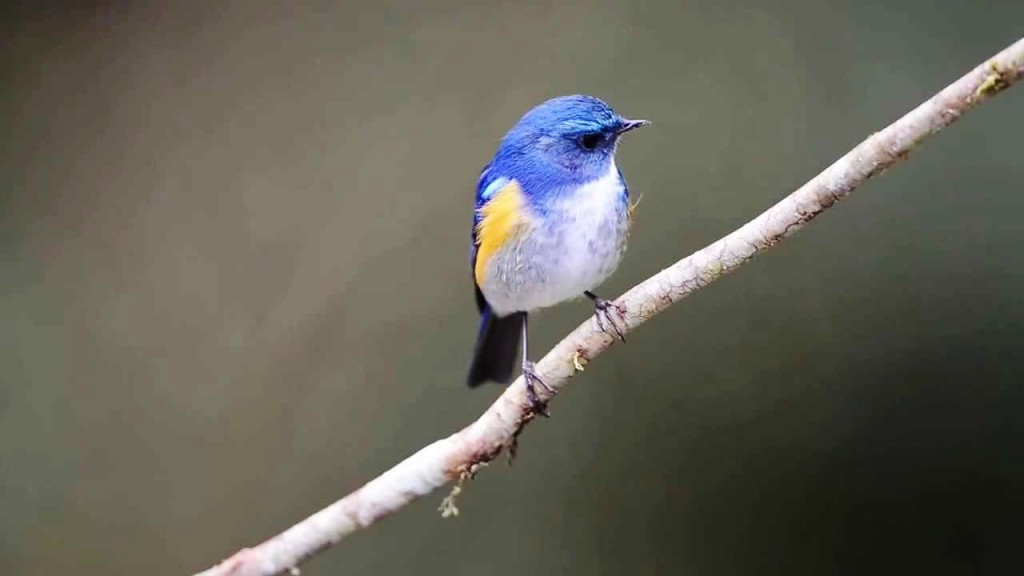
[537, 406]
[603, 313]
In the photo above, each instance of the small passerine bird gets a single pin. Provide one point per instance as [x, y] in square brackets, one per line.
[551, 221]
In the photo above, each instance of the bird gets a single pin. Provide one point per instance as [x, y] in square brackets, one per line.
[550, 224]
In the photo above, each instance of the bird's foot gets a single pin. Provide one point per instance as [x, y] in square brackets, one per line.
[604, 316]
[537, 406]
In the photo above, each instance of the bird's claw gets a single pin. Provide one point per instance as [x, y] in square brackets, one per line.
[537, 406]
[603, 314]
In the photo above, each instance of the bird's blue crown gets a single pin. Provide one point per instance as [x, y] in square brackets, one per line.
[566, 140]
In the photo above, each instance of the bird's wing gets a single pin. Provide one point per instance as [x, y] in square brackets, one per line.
[499, 213]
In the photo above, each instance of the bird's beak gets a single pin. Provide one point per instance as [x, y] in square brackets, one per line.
[627, 125]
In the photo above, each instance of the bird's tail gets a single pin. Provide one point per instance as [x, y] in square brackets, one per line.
[494, 358]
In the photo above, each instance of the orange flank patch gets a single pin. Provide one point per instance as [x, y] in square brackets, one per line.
[501, 219]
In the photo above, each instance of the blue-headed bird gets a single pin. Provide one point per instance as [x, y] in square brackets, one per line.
[551, 222]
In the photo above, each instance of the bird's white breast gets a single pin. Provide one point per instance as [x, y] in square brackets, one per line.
[575, 242]
[594, 218]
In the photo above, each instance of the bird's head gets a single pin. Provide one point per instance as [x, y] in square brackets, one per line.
[578, 134]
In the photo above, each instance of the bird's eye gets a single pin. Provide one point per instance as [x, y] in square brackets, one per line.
[591, 141]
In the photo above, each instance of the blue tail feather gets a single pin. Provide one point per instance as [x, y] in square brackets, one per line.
[497, 341]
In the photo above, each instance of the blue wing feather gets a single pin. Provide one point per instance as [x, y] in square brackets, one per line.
[486, 187]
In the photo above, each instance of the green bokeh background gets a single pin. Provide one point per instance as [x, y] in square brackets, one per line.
[234, 287]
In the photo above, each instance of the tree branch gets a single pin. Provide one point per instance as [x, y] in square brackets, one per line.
[458, 456]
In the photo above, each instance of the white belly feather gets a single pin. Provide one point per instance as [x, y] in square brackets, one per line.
[574, 248]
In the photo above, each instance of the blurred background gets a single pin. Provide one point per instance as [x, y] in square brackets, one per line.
[234, 287]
